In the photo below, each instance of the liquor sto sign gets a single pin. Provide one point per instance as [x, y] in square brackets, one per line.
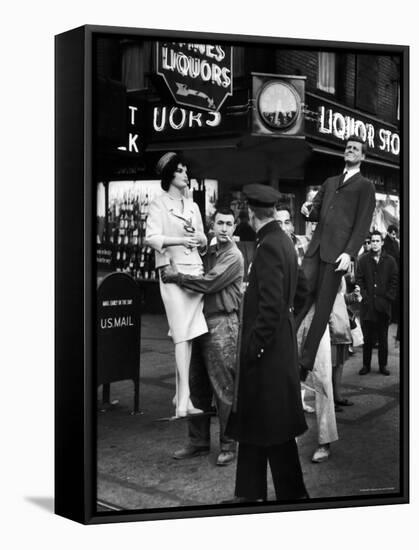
[198, 75]
[333, 122]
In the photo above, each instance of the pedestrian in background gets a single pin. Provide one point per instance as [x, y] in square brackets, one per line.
[341, 339]
[320, 379]
[391, 243]
[377, 277]
[366, 247]
[392, 247]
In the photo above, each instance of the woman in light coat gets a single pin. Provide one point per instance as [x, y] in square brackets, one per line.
[175, 231]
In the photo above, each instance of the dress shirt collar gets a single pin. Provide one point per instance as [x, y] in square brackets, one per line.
[350, 172]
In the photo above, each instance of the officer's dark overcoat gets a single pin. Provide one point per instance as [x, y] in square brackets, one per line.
[268, 407]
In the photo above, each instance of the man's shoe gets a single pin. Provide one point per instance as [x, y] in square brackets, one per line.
[364, 370]
[321, 454]
[225, 458]
[385, 371]
[190, 452]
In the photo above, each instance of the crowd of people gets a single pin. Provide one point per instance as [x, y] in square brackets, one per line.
[253, 349]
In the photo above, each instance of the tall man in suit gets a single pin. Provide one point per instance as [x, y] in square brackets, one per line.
[343, 208]
[268, 414]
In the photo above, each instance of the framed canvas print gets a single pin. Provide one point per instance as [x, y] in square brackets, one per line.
[231, 274]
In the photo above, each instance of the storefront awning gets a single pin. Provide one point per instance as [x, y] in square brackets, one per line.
[368, 160]
[242, 159]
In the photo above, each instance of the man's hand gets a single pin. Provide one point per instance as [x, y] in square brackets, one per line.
[344, 261]
[357, 293]
[170, 273]
[200, 239]
[306, 208]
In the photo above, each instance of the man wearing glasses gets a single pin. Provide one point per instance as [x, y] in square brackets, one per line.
[366, 247]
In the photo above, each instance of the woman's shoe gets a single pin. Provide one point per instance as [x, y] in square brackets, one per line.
[308, 408]
[321, 454]
[193, 410]
[181, 413]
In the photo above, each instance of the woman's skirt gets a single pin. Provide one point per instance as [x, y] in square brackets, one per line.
[184, 307]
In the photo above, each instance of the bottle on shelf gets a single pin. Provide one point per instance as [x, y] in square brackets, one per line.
[118, 265]
[127, 216]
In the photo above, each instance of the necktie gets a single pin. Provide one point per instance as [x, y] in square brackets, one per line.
[342, 178]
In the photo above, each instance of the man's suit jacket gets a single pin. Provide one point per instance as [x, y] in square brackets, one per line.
[378, 283]
[344, 212]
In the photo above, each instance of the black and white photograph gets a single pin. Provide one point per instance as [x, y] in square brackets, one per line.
[249, 236]
[209, 308]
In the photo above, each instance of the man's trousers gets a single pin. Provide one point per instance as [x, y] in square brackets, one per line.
[211, 374]
[284, 462]
[373, 331]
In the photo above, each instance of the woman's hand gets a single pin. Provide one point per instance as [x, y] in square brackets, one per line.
[190, 241]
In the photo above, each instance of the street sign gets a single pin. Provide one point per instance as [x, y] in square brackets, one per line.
[198, 75]
[333, 123]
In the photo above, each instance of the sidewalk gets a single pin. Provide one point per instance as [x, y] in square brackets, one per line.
[136, 471]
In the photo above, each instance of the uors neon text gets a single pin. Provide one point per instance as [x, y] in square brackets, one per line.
[178, 119]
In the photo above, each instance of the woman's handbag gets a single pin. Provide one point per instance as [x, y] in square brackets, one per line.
[357, 336]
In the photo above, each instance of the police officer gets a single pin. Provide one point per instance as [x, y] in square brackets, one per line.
[268, 413]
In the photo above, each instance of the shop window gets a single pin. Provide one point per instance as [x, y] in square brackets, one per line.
[136, 64]
[387, 212]
[122, 227]
[100, 213]
[326, 76]
[366, 83]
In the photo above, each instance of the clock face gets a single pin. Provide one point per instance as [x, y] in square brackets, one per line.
[278, 105]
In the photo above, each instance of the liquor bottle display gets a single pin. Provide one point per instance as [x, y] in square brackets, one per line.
[127, 218]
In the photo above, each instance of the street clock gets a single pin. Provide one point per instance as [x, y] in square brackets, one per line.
[278, 105]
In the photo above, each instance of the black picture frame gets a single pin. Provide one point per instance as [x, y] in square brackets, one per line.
[76, 276]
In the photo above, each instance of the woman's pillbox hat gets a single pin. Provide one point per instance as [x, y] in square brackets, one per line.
[261, 195]
[163, 162]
